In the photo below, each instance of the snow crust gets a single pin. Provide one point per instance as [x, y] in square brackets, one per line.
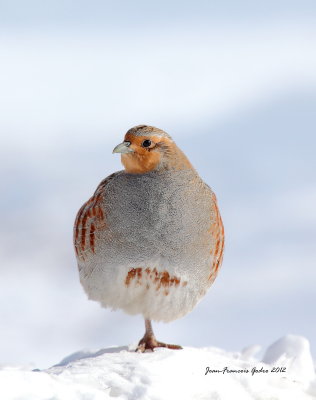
[191, 373]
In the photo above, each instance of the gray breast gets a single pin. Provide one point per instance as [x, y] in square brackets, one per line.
[154, 215]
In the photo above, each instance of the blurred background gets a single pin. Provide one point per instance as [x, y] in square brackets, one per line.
[234, 83]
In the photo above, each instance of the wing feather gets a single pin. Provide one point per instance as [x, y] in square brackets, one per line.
[218, 239]
[90, 220]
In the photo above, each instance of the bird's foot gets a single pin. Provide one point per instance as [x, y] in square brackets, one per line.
[149, 343]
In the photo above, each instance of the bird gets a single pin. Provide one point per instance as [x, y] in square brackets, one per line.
[150, 240]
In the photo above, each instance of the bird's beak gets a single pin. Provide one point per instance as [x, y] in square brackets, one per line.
[123, 148]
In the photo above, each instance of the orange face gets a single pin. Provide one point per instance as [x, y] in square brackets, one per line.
[146, 148]
[146, 152]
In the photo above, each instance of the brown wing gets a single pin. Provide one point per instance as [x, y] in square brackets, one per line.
[218, 242]
[90, 220]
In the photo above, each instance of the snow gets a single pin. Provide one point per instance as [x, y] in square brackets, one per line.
[293, 351]
[121, 373]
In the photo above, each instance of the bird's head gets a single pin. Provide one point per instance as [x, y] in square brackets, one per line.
[146, 148]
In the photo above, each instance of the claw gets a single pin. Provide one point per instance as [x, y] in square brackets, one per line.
[149, 342]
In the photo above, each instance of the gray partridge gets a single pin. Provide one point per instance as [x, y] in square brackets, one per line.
[150, 240]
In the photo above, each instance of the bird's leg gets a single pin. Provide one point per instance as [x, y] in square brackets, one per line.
[149, 342]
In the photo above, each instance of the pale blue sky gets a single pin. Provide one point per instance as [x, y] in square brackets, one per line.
[120, 14]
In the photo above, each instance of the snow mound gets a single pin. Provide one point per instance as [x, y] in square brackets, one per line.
[293, 352]
[191, 373]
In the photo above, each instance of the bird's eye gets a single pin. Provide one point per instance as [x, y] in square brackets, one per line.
[146, 143]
